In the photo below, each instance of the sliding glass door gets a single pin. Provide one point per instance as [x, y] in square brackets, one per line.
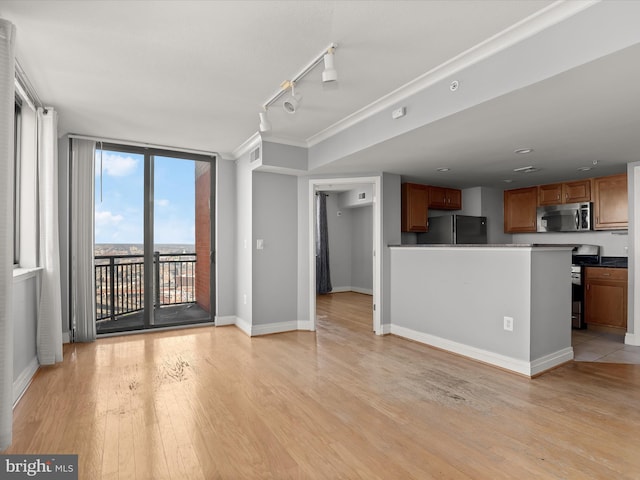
[153, 231]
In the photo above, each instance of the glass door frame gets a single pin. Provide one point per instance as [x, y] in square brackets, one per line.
[148, 237]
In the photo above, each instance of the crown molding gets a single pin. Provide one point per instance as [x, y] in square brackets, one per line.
[286, 141]
[516, 33]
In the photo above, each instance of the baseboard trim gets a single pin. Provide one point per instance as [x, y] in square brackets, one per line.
[522, 367]
[340, 289]
[66, 337]
[225, 320]
[632, 339]
[366, 291]
[386, 329]
[548, 362]
[278, 327]
[243, 325]
[23, 381]
[305, 325]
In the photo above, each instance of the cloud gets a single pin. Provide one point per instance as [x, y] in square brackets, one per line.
[116, 165]
[162, 202]
[103, 219]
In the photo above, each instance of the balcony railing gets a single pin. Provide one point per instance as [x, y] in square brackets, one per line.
[120, 282]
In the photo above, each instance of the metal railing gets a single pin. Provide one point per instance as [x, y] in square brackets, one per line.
[119, 282]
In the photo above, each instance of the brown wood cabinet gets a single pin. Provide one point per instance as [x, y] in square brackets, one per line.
[569, 192]
[442, 198]
[415, 199]
[520, 210]
[606, 296]
[610, 203]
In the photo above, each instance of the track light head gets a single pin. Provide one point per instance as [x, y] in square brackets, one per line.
[291, 103]
[329, 74]
[265, 124]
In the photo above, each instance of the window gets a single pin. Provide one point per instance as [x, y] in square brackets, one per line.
[17, 137]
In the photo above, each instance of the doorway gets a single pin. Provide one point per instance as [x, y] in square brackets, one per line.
[344, 185]
[153, 238]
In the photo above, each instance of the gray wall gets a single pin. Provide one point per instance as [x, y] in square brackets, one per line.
[24, 330]
[350, 246]
[63, 230]
[633, 313]
[612, 244]
[391, 217]
[362, 249]
[275, 280]
[340, 238]
[529, 286]
[225, 216]
[244, 195]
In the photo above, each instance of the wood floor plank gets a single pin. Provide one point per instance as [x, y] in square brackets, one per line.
[212, 403]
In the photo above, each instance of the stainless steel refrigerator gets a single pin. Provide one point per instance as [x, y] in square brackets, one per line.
[455, 229]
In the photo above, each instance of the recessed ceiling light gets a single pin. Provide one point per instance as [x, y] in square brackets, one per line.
[523, 150]
[584, 169]
[508, 180]
[528, 169]
[443, 169]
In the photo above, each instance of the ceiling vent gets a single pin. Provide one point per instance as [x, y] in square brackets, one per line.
[255, 155]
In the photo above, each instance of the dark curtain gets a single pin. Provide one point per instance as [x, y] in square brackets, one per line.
[323, 276]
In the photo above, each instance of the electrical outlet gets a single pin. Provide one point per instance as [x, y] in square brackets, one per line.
[245, 298]
[508, 324]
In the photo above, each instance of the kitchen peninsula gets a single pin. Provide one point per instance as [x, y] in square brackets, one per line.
[464, 298]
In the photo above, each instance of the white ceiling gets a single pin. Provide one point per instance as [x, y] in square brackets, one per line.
[193, 74]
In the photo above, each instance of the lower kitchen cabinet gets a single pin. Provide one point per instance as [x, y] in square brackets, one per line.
[606, 296]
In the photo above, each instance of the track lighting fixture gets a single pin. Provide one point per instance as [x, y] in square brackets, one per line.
[265, 124]
[292, 102]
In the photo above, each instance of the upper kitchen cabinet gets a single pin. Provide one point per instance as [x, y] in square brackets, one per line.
[441, 198]
[520, 210]
[415, 199]
[610, 202]
[569, 192]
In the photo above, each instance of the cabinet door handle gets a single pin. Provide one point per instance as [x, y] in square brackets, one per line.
[588, 286]
[606, 274]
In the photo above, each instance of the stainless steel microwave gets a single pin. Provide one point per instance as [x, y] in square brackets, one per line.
[569, 217]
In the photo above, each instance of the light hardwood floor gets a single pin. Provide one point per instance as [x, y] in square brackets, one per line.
[208, 403]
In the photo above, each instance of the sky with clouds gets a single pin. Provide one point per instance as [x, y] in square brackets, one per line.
[119, 214]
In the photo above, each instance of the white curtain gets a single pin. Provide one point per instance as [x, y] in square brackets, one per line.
[83, 298]
[7, 99]
[49, 336]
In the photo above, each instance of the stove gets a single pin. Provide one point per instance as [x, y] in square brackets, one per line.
[582, 255]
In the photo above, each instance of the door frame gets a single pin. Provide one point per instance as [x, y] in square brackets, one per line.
[315, 185]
